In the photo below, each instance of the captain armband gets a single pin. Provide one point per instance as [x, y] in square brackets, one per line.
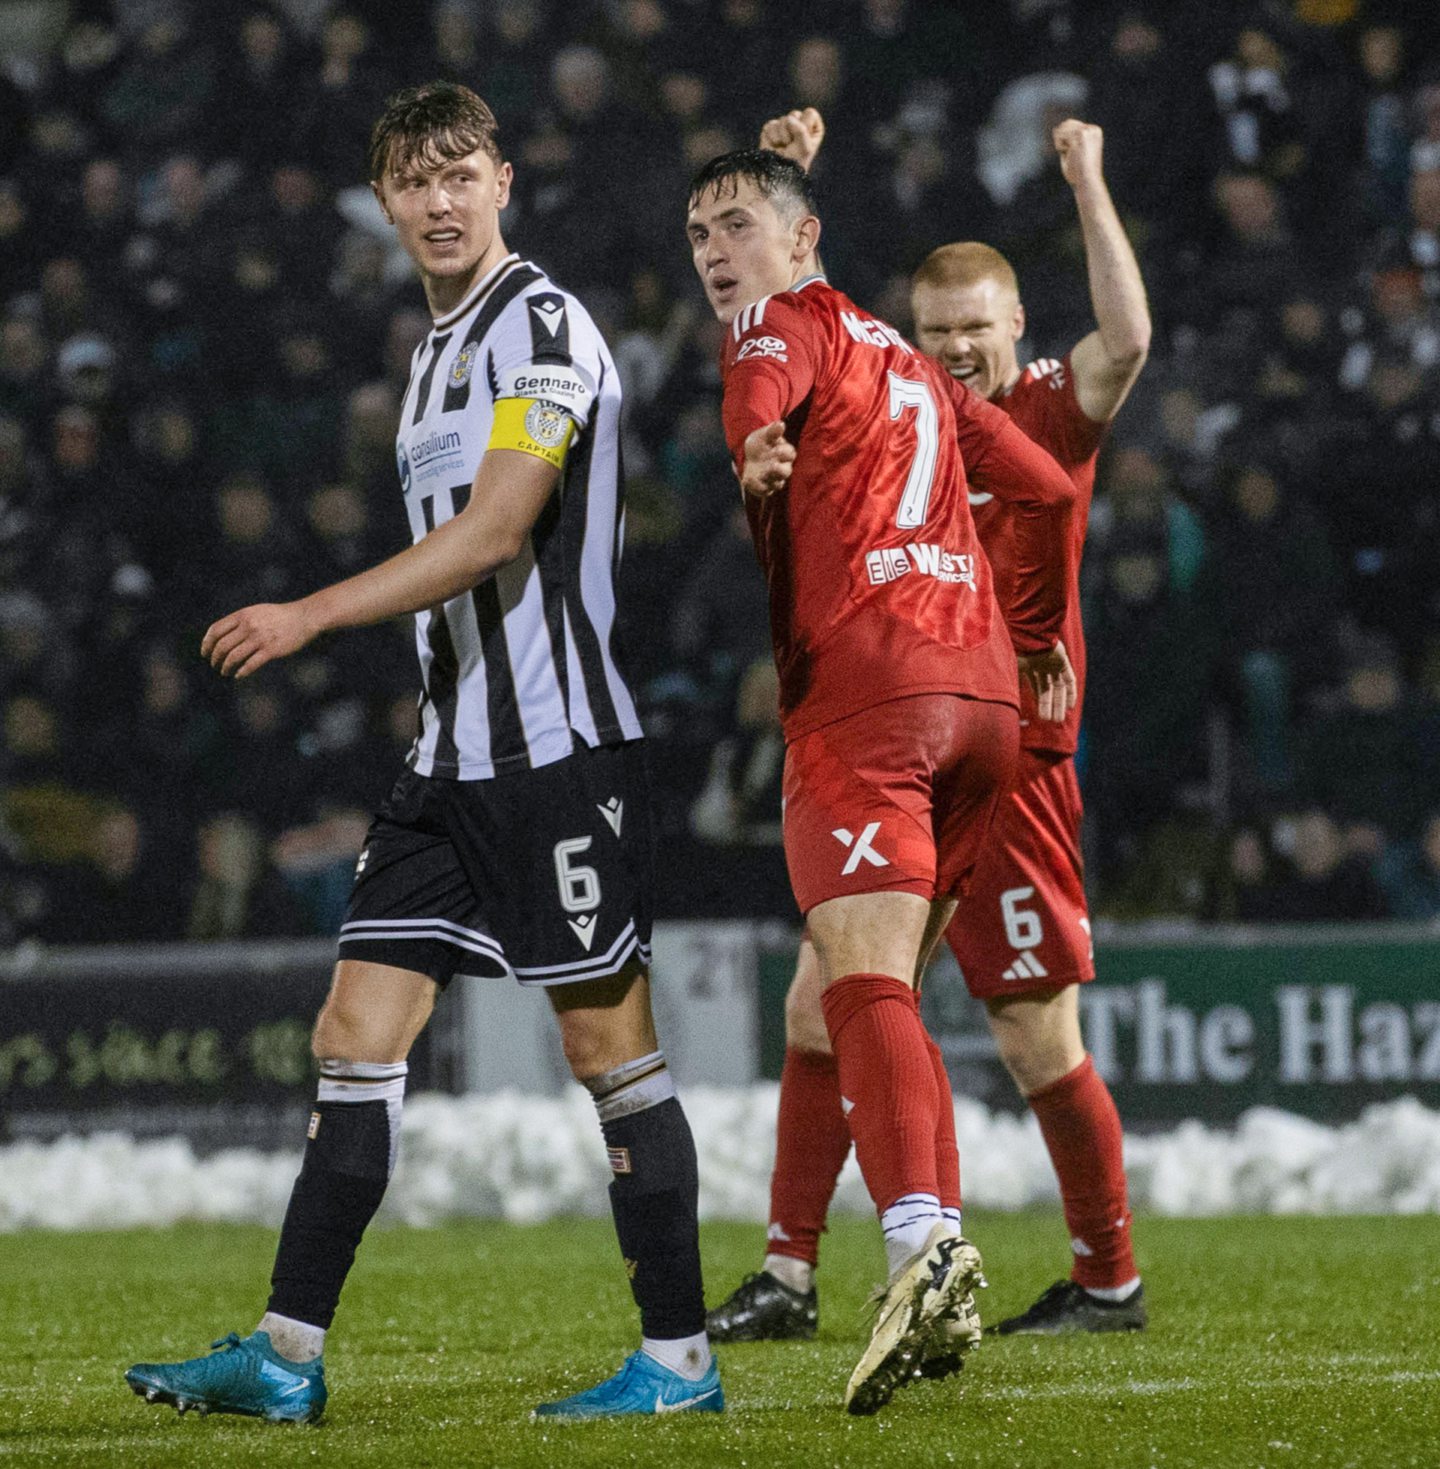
[532, 426]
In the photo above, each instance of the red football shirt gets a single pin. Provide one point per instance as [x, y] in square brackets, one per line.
[878, 586]
[1044, 404]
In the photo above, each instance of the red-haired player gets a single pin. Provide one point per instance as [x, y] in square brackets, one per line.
[1021, 933]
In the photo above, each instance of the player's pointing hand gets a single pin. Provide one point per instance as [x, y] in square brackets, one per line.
[247, 640]
[796, 136]
[1079, 145]
[769, 458]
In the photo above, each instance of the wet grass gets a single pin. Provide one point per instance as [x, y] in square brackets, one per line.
[1276, 1342]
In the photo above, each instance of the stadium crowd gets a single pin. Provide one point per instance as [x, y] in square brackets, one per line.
[205, 331]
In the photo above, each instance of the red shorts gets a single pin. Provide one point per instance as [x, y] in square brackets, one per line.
[1023, 925]
[897, 798]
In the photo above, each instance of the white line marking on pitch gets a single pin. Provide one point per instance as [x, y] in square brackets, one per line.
[1140, 1388]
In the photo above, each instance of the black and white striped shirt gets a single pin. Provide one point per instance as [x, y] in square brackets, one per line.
[523, 669]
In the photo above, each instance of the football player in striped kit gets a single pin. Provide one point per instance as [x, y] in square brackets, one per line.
[517, 841]
[1022, 931]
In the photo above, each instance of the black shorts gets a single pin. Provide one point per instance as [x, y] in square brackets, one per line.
[545, 875]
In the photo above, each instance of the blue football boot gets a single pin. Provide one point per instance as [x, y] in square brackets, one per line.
[245, 1375]
[642, 1386]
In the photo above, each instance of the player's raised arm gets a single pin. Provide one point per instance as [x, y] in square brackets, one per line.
[797, 135]
[1108, 361]
[509, 492]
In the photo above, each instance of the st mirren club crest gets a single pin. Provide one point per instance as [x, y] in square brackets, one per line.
[464, 364]
[545, 424]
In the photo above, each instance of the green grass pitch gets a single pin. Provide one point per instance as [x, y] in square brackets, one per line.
[1290, 1343]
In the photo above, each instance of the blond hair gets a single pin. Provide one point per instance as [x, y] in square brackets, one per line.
[965, 264]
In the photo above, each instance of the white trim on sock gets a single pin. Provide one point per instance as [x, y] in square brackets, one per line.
[368, 1081]
[797, 1275]
[1113, 1293]
[687, 1355]
[907, 1224]
[296, 1341]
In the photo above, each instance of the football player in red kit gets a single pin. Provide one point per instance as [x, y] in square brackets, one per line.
[898, 690]
[1021, 932]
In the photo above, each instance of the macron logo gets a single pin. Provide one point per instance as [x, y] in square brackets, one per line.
[550, 316]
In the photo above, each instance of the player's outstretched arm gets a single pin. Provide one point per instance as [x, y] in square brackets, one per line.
[509, 492]
[797, 135]
[1108, 361]
[769, 458]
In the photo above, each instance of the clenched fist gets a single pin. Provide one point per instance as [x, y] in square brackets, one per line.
[1079, 145]
[769, 458]
[796, 136]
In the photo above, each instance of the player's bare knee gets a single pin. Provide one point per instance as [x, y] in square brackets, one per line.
[344, 1031]
[804, 1015]
[596, 1041]
[1038, 1037]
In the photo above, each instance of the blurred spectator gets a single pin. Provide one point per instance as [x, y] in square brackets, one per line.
[204, 341]
[1385, 134]
[316, 864]
[1256, 107]
[1410, 875]
[1270, 579]
[740, 803]
[1152, 648]
[125, 894]
[1363, 760]
[236, 895]
[262, 83]
[162, 94]
[1324, 883]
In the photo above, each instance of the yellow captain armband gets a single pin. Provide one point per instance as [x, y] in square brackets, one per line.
[532, 426]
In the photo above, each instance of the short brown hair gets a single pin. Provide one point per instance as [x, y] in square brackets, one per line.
[964, 264]
[430, 125]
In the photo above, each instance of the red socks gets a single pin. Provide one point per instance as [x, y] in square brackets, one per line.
[1081, 1129]
[812, 1141]
[947, 1148]
[887, 1084]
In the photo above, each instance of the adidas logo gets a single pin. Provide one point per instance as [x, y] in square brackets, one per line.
[1027, 966]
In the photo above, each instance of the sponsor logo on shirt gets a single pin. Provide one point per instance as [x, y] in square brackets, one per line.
[556, 384]
[435, 454]
[873, 333]
[890, 564]
[763, 347]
